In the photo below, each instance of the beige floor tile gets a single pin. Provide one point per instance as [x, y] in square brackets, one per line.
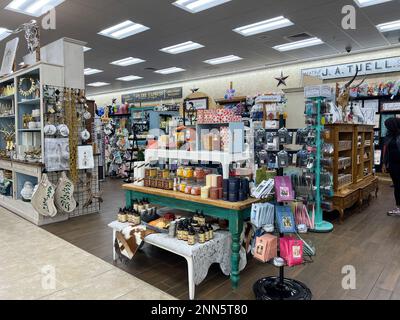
[147, 294]
[70, 273]
[106, 286]
[13, 269]
[26, 249]
[30, 288]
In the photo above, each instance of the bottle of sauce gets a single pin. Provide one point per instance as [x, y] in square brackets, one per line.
[206, 233]
[196, 218]
[202, 236]
[202, 219]
[191, 237]
[210, 231]
[136, 218]
[179, 231]
[146, 204]
[185, 233]
[140, 206]
[135, 205]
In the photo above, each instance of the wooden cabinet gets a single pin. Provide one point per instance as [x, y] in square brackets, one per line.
[352, 164]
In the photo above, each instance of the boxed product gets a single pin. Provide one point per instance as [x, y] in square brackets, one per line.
[266, 247]
[291, 250]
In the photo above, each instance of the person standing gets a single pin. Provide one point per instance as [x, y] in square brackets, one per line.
[391, 158]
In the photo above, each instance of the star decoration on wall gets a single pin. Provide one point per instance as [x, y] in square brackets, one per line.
[282, 79]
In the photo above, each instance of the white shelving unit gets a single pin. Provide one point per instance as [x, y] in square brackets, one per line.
[62, 66]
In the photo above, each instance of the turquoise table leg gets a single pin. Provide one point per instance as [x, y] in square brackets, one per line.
[128, 198]
[235, 227]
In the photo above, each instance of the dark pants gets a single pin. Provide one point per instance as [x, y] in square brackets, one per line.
[395, 175]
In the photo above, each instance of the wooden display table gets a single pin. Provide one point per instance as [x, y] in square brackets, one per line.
[234, 212]
[355, 194]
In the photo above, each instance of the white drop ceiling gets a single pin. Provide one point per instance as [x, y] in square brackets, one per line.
[213, 28]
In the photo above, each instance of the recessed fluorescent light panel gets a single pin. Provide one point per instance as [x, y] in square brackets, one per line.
[85, 49]
[194, 6]
[123, 30]
[127, 62]
[389, 26]
[367, 3]
[34, 8]
[98, 84]
[4, 33]
[170, 70]
[90, 71]
[129, 78]
[182, 47]
[221, 60]
[264, 26]
[299, 44]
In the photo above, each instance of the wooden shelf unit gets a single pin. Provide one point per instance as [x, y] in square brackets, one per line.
[363, 181]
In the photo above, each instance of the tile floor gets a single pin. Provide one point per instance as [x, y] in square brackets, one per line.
[29, 256]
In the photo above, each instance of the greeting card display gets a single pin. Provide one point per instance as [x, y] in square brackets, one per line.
[291, 250]
[283, 189]
[285, 219]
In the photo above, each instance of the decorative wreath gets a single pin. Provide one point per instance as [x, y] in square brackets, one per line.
[25, 92]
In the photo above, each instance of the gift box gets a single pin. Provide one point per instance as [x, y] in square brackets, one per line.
[266, 247]
[291, 250]
[200, 116]
[225, 133]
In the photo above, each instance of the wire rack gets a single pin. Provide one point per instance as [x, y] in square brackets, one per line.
[81, 193]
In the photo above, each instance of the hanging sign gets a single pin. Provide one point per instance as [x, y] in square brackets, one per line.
[154, 95]
[391, 106]
[349, 69]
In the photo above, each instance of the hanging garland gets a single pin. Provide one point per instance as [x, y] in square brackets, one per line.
[72, 121]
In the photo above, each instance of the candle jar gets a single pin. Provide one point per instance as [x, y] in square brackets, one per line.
[179, 172]
[153, 172]
[188, 189]
[196, 191]
[199, 174]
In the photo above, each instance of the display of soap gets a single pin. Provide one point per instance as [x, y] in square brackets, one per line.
[198, 182]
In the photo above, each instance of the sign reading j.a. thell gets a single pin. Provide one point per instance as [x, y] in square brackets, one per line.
[349, 69]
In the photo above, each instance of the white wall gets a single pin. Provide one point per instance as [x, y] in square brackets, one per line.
[262, 81]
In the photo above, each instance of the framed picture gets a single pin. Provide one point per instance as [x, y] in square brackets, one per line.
[9, 57]
[196, 104]
[85, 157]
